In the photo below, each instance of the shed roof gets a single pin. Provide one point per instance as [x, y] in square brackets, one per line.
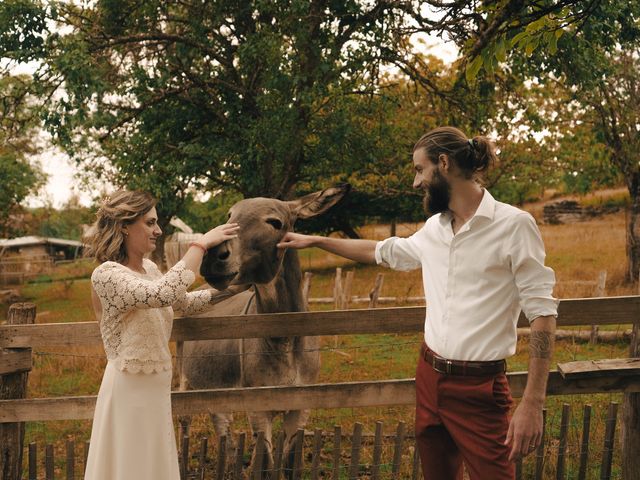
[33, 240]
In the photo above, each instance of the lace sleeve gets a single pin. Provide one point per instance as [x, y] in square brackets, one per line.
[122, 290]
[192, 303]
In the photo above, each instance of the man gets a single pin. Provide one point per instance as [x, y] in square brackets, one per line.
[482, 262]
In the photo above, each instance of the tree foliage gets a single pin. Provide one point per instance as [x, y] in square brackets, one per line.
[20, 178]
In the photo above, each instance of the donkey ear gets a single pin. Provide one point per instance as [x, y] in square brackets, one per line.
[318, 202]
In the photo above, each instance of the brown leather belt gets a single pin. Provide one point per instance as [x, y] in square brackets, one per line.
[459, 367]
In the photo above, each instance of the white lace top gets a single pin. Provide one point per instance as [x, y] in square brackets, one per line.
[137, 312]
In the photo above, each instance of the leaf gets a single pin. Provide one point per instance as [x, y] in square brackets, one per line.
[553, 44]
[473, 68]
[487, 62]
[501, 50]
[531, 46]
[518, 37]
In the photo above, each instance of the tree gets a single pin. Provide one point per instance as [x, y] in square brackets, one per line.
[17, 130]
[598, 65]
[253, 96]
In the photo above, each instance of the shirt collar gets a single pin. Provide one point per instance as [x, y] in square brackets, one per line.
[486, 209]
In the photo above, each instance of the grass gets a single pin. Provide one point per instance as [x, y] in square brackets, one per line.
[576, 252]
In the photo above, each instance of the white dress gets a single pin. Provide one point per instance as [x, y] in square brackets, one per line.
[132, 436]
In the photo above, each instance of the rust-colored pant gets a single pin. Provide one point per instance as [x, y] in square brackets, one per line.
[462, 418]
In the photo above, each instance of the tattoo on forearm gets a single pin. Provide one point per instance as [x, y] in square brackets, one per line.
[540, 344]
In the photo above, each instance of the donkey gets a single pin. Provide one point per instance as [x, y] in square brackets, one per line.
[275, 274]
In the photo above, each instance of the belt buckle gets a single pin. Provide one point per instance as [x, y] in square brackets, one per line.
[434, 364]
[448, 368]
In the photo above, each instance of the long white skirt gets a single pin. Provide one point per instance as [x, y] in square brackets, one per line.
[132, 437]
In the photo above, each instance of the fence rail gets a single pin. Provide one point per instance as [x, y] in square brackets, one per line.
[571, 312]
[335, 395]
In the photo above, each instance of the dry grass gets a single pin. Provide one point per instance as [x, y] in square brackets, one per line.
[575, 252]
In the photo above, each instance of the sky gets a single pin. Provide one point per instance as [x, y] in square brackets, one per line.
[62, 184]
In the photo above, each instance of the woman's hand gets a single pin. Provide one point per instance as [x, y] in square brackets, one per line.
[217, 235]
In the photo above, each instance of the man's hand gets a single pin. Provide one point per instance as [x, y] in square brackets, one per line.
[525, 430]
[296, 240]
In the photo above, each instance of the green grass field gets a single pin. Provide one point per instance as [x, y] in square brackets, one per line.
[576, 252]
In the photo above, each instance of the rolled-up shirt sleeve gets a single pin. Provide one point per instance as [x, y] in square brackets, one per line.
[398, 253]
[533, 279]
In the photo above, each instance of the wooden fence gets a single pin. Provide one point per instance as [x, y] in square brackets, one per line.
[17, 340]
[16, 270]
[334, 454]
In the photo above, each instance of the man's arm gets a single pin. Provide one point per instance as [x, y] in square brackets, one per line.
[362, 251]
[525, 429]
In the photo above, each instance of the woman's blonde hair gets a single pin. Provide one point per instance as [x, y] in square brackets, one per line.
[105, 239]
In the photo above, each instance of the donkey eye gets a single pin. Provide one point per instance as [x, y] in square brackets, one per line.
[275, 223]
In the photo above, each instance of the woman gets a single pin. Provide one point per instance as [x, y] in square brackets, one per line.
[132, 435]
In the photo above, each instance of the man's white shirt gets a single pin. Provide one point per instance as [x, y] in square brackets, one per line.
[477, 281]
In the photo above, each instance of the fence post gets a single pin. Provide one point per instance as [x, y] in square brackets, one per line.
[14, 386]
[337, 298]
[337, 290]
[599, 292]
[346, 291]
[630, 422]
[306, 285]
[374, 294]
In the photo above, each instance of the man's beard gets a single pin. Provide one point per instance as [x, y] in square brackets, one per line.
[437, 195]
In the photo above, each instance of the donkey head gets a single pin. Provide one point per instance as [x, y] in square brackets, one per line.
[253, 257]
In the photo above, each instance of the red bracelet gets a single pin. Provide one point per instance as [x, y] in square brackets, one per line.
[196, 244]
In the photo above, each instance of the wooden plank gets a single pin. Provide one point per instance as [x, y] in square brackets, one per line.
[374, 294]
[585, 311]
[15, 360]
[239, 454]
[71, 459]
[346, 292]
[306, 286]
[600, 368]
[337, 395]
[630, 420]
[357, 299]
[337, 439]
[377, 452]
[222, 458]
[315, 460]
[584, 445]
[356, 445]
[539, 470]
[562, 443]
[599, 292]
[415, 471]
[13, 386]
[397, 451]
[182, 379]
[258, 458]
[85, 455]
[609, 436]
[48, 462]
[297, 454]
[202, 457]
[277, 459]
[33, 461]
[184, 458]
[337, 290]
